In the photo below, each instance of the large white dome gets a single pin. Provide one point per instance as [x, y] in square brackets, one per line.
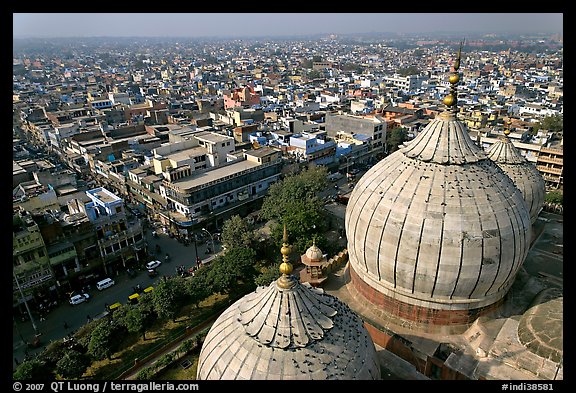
[437, 224]
[288, 332]
[523, 173]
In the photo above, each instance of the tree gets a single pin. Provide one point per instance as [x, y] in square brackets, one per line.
[53, 352]
[105, 339]
[554, 123]
[233, 271]
[294, 202]
[556, 197]
[395, 138]
[306, 63]
[197, 287]
[314, 74]
[269, 274]
[72, 365]
[411, 70]
[167, 297]
[134, 321]
[351, 67]
[32, 369]
[236, 232]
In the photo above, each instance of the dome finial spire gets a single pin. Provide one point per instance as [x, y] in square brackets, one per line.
[452, 99]
[286, 281]
[507, 129]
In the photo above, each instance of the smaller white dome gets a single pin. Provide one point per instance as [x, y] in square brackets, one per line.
[314, 253]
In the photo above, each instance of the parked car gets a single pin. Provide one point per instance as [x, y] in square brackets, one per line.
[153, 264]
[77, 299]
[106, 283]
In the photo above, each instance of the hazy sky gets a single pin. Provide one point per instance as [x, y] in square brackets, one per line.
[274, 24]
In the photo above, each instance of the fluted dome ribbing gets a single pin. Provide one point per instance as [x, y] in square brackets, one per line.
[437, 224]
[288, 333]
[523, 173]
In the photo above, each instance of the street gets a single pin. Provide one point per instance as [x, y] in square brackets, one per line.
[73, 317]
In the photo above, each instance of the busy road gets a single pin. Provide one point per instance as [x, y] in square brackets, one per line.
[65, 318]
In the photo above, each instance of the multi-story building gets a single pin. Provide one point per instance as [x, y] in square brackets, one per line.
[313, 147]
[30, 261]
[244, 97]
[143, 187]
[120, 243]
[476, 118]
[550, 163]
[71, 245]
[349, 126]
[207, 195]
[408, 83]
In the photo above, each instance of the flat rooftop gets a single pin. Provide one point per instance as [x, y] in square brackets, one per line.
[186, 153]
[215, 174]
[212, 137]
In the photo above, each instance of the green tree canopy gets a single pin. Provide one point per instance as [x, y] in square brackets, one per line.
[105, 339]
[198, 287]
[294, 202]
[314, 74]
[554, 197]
[168, 297]
[234, 271]
[554, 123]
[237, 232]
[32, 369]
[306, 63]
[72, 365]
[268, 274]
[135, 321]
[411, 70]
[395, 137]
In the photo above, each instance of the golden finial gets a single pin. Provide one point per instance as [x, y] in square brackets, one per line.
[507, 129]
[457, 61]
[452, 99]
[448, 100]
[286, 281]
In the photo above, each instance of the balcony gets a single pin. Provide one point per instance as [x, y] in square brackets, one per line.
[545, 169]
[551, 160]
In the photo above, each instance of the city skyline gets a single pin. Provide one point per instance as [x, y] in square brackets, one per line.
[238, 25]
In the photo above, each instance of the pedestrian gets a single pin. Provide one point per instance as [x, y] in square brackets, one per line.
[88, 318]
[16, 361]
[65, 325]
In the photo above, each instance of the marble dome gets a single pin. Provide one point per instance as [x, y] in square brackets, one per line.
[288, 330]
[437, 224]
[523, 173]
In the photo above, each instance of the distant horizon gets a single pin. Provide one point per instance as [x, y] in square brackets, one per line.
[278, 25]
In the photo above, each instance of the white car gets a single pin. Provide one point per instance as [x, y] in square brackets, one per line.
[77, 299]
[153, 264]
